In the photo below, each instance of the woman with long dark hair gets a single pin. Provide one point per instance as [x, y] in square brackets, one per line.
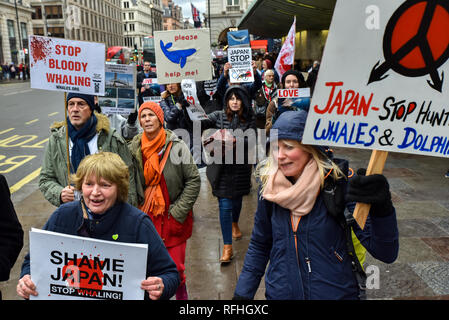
[231, 181]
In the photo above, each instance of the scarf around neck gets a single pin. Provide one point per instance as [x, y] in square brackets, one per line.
[299, 197]
[80, 138]
[154, 198]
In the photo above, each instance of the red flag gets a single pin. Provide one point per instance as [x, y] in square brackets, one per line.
[286, 56]
[196, 17]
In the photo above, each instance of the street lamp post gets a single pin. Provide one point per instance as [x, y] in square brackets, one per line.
[152, 21]
[20, 32]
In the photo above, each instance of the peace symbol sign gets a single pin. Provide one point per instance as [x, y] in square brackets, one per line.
[416, 41]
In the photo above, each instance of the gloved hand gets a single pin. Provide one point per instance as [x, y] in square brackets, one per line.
[132, 118]
[373, 189]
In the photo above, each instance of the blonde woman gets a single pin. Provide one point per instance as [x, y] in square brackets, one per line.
[295, 231]
[102, 212]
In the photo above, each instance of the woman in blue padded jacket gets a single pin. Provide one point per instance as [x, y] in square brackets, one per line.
[294, 231]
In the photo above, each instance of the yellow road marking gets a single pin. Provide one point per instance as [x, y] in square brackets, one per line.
[25, 180]
[7, 130]
[31, 121]
[53, 114]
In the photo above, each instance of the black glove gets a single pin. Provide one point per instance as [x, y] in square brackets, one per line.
[374, 190]
[132, 118]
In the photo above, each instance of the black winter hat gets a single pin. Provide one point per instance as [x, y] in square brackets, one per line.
[86, 97]
[297, 74]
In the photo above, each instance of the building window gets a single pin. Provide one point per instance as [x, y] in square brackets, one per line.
[23, 28]
[57, 32]
[131, 16]
[53, 12]
[38, 31]
[131, 27]
[37, 14]
[11, 30]
[24, 34]
[126, 4]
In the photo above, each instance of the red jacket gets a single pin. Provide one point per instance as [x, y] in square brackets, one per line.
[170, 230]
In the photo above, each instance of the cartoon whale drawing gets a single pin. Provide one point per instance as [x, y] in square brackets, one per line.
[236, 39]
[177, 56]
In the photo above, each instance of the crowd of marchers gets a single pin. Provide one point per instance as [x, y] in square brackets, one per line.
[120, 177]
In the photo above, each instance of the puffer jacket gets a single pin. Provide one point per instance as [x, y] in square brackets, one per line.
[175, 118]
[234, 179]
[130, 224]
[320, 267]
[53, 176]
[183, 183]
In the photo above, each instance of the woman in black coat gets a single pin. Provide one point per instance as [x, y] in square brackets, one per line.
[230, 173]
[11, 233]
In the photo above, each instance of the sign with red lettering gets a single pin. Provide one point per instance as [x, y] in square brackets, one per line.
[66, 267]
[182, 54]
[66, 65]
[381, 83]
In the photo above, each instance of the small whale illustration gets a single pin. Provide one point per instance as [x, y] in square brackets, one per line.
[236, 39]
[177, 56]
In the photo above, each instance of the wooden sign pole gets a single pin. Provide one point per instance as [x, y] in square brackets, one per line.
[67, 138]
[375, 166]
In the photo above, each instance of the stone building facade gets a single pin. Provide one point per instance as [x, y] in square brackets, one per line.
[88, 20]
[15, 27]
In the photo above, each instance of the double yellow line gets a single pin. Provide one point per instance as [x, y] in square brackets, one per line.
[25, 180]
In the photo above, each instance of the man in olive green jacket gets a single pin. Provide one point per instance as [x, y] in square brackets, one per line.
[53, 179]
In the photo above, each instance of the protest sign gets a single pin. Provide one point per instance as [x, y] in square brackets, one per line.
[381, 82]
[238, 38]
[194, 110]
[210, 86]
[67, 65]
[120, 88]
[151, 85]
[66, 267]
[293, 99]
[182, 54]
[377, 88]
[241, 69]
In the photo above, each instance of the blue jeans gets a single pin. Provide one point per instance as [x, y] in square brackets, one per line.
[229, 213]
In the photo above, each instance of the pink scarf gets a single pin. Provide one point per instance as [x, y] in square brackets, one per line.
[300, 197]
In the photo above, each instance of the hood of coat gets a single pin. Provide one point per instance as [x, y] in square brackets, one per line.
[243, 93]
[102, 123]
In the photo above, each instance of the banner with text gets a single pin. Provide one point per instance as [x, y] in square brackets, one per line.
[182, 54]
[67, 65]
[381, 83]
[70, 267]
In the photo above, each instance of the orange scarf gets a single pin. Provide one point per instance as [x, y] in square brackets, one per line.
[154, 199]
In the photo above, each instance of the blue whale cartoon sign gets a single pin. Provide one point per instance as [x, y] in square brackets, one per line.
[176, 56]
[182, 54]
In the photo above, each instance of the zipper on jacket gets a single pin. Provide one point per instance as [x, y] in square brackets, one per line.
[308, 264]
[295, 237]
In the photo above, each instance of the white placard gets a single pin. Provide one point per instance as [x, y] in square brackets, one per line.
[194, 110]
[182, 54]
[71, 267]
[381, 83]
[241, 69]
[120, 91]
[67, 65]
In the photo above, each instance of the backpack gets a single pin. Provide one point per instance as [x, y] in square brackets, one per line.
[334, 199]
[260, 110]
